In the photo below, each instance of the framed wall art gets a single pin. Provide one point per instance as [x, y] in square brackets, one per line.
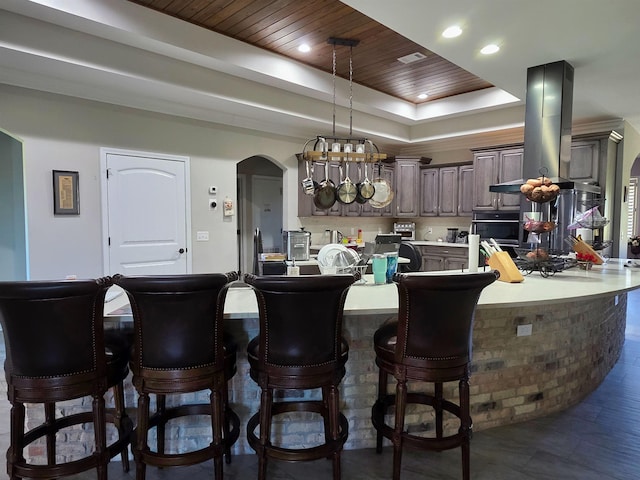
[66, 199]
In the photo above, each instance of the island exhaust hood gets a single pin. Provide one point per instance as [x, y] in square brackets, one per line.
[547, 129]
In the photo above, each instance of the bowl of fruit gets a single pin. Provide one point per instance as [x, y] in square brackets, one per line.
[540, 190]
[537, 226]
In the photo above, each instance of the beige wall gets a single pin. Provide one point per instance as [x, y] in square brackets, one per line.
[64, 133]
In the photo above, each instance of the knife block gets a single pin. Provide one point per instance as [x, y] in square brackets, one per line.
[502, 262]
[582, 247]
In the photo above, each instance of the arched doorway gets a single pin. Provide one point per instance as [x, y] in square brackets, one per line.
[260, 205]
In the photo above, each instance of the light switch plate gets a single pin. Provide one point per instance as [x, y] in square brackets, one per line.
[202, 236]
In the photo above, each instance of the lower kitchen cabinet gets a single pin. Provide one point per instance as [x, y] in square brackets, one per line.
[445, 257]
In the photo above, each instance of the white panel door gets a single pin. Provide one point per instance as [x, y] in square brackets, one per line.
[147, 205]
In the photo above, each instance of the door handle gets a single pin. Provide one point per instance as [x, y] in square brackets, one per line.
[181, 251]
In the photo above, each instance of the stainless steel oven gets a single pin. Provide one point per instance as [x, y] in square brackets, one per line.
[503, 227]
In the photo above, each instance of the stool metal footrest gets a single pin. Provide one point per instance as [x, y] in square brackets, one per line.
[158, 459]
[119, 446]
[380, 408]
[324, 450]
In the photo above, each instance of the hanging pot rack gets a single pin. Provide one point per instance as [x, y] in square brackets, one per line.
[337, 148]
[316, 152]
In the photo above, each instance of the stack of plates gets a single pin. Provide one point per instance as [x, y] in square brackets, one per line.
[338, 256]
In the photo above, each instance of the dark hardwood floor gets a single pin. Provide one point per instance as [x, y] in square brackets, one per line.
[597, 439]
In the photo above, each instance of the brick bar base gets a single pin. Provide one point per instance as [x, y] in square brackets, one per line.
[572, 348]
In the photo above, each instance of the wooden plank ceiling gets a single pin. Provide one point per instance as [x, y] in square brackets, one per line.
[281, 26]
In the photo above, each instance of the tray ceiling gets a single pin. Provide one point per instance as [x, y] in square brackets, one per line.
[281, 26]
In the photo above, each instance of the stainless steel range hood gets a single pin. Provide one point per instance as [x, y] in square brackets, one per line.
[547, 129]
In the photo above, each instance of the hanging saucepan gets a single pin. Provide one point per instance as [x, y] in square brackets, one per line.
[365, 187]
[316, 185]
[325, 195]
[347, 190]
[383, 194]
[309, 185]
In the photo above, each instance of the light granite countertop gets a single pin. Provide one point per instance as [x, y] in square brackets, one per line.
[615, 277]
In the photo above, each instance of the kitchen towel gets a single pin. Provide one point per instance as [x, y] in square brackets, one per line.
[474, 250]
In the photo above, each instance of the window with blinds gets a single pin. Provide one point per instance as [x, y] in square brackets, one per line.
[632, 207]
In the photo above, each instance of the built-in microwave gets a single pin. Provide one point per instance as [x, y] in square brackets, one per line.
[407, 230]
[503, 227]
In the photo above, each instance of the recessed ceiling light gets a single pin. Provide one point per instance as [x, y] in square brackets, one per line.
[422, 96]
[304, 48]
[490, 49]
[452, 32]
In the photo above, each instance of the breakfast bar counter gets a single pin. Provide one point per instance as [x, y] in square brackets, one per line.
[538, 346]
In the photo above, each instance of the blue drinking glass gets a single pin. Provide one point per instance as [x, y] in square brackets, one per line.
[392, 265]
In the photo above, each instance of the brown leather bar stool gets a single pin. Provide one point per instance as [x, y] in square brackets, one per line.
[180, 347]
[55, 346]
[430, 342]
[300, 347]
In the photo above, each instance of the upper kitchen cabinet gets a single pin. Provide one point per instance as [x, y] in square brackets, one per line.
[407, 185]
[465, 190]
[446, 191]
[496, 166]
[583, 166]
[429, 191]
[593, 158]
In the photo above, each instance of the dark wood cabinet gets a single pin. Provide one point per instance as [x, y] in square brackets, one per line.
[496, 166]
[445, 257]
[446, 191]
[429, 191]
[432, 263]
[465, 190]
[583, 166]
[407, 185]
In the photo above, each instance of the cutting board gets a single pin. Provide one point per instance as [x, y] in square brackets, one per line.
[581, 247]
